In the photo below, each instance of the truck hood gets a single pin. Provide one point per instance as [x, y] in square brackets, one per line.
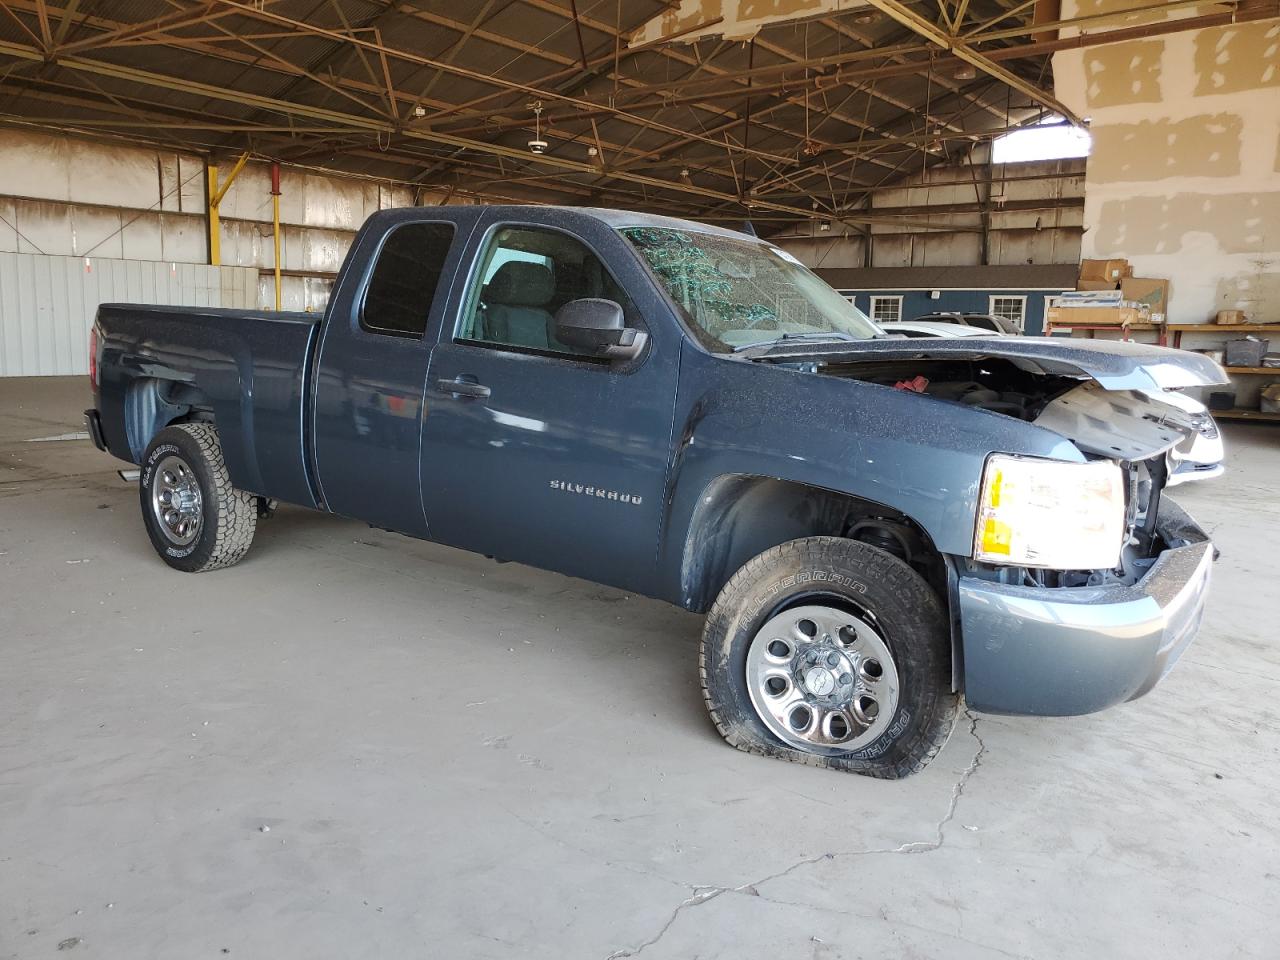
[1114, 364]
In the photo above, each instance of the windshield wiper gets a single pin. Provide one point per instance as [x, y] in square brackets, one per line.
[832, 335]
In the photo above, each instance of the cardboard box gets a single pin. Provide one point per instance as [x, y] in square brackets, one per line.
[1269, 402]
[1089, 298]
[1154, 294]
[1230, 316]
[1113, 270]
[1092, 316]
[1083, 284]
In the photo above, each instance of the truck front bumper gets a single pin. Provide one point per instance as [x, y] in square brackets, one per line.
[1067, 651]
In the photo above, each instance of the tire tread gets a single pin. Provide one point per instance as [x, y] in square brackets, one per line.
[916, 752]
[237, 510]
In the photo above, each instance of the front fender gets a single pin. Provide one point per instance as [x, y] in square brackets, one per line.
[916, 455]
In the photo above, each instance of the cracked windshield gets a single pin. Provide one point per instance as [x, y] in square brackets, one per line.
[740, 293]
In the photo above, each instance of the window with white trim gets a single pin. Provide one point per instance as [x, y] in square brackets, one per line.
[886, 309]
[1010, 308]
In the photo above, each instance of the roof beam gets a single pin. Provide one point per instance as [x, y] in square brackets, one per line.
[410, 57]
[46, 38]
[981, 33]
[628, 84]
[4, 5]
[668, 50]
[854, 35]
[931, 32]
[204, 47]
[170, 21]
[369, 124]
[68, 17]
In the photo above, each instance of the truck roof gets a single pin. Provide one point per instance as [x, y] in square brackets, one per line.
[617, 219]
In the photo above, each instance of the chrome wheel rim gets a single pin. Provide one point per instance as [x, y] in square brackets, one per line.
[176, 501]
[822, 679]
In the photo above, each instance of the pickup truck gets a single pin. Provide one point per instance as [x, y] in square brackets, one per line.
[876, 527]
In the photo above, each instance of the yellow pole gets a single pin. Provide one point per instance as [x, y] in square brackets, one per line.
[215, 198]
[275, 222]
[215, 228]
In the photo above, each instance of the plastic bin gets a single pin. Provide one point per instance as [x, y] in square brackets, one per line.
[1246, 352]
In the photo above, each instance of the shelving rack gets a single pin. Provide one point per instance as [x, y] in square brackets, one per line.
[1092, 328]
[1178, 329]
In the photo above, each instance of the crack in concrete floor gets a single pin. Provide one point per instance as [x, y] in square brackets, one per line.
[703, 895]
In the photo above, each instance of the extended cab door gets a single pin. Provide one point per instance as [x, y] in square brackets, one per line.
[532, 451]
[371, 368]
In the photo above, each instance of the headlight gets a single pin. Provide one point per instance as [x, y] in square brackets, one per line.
[1049, 513]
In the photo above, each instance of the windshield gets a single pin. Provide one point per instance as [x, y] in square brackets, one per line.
[740, 293]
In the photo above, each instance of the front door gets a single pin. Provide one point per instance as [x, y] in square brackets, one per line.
[372, 368]
[538, 453]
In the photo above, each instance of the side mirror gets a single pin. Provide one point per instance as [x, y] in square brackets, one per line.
[598, 327]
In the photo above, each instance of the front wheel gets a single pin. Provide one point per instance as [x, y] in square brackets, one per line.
[195, 518]
[831, 652]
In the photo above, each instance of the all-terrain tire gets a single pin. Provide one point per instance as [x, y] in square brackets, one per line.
[849, 575]
[228, 517]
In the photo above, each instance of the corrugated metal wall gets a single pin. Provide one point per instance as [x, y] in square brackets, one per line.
[47, 303]
[1017, 236]
[64, 196]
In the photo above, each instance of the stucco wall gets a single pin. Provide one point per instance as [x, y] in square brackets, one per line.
[1184, 178]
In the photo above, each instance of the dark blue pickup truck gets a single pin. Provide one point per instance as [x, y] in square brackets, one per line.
[875, 526]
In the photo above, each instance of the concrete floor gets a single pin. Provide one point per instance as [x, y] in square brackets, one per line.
[357, 745]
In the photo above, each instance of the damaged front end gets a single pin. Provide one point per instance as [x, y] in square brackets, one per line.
[1149, 437]
[1116, 402]
[1101, 599]
[1102, 644]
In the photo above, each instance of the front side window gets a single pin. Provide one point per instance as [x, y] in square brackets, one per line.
[526, 275]
[405, 278]
[886, 309]
[743, 293]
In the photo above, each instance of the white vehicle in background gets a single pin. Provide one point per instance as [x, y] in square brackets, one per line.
[936, 328]
[987, 322]
[1199, 458]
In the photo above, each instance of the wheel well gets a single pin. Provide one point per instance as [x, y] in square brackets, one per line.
[741, 516]
[152, 404]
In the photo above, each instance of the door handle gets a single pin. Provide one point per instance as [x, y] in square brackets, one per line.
[463, 388]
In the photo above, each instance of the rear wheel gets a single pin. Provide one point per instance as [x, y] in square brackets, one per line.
[195, 518]
[831, 652]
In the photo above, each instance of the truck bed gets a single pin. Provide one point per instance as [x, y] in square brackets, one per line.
[247, 367]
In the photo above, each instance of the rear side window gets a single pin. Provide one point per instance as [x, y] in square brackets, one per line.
[405, 278]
